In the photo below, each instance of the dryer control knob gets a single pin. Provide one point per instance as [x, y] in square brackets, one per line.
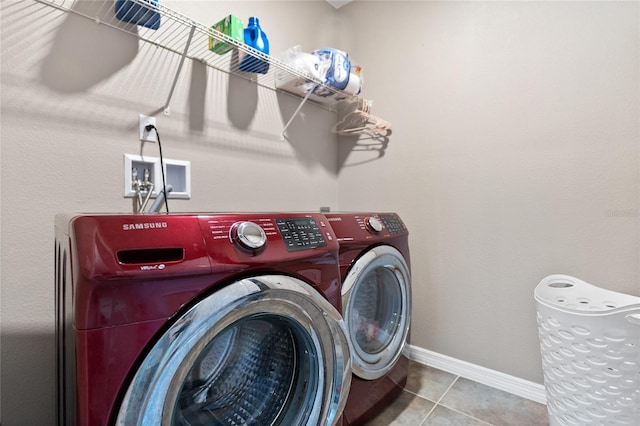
[373, 224]
[249, 235]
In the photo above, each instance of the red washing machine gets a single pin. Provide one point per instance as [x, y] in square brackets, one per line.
[193, 319]
[376, 306]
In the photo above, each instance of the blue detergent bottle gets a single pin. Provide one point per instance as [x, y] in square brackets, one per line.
[256, 38]
[129, 11]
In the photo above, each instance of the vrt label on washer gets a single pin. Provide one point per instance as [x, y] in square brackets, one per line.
[153, 267]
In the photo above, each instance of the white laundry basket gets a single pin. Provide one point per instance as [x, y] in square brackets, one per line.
[590, 345]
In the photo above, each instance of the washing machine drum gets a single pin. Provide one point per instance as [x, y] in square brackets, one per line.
[376, 299]
[267, 350]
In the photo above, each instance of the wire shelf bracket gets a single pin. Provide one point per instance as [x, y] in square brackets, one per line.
[166, 108]
[295, 113]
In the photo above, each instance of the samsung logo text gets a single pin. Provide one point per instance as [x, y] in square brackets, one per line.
[143, 225]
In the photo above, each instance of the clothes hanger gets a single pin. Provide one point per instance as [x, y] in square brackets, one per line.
[362, 121]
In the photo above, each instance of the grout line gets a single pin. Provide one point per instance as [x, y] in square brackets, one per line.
[412, 393]
[439, 404]
[466, 415]
[447, 390]
[440, 399]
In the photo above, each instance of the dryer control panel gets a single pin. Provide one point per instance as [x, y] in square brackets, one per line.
[393, 223]
[300, 233]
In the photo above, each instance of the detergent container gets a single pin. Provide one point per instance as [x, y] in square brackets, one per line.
[257, 39]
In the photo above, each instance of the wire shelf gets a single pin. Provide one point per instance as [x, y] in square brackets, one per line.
[188, 38]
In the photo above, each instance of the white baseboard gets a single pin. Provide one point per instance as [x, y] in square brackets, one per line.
[485, 376]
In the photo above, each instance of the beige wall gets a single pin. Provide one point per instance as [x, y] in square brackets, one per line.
[71, 94]
[515, 133]
[514, 155]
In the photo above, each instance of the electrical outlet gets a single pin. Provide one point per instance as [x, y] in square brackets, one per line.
[147, 136]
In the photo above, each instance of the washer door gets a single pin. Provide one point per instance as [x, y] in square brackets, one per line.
[268, 350]
[376, 299]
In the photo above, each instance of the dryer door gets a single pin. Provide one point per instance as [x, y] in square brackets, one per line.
[268, 350]
[376, 299]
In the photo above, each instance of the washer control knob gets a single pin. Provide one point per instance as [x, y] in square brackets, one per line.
[249, 235]
[373, 224]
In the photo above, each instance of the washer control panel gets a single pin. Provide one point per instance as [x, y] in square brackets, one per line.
[300, 233]
[393, 223]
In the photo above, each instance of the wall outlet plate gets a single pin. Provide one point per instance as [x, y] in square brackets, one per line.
[147, 136]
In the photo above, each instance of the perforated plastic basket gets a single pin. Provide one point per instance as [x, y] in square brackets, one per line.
[590, 345]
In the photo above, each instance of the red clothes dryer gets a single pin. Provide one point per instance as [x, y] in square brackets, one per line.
[376, 306]
[189, 319]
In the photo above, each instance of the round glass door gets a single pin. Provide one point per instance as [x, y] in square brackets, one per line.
[262, 351]
[249, 374]
[376, 298]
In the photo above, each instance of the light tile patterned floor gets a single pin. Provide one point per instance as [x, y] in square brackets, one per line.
[434, 397]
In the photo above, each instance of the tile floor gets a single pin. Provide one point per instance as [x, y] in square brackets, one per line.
[434, 397]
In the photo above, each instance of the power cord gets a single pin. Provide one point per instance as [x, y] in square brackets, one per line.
[148, 128]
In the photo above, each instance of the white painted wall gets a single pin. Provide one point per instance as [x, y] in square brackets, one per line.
[515, 138]
[514, 155]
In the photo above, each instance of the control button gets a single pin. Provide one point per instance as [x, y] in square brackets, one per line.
[301, 233]
[393, 223]
[248, 235]
[373, 224]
